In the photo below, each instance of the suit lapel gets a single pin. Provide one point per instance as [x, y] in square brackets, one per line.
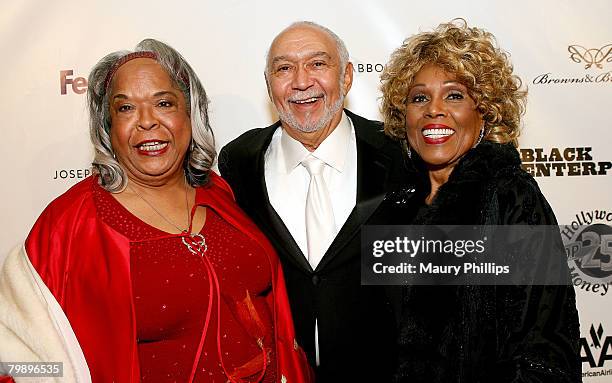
[373, 166]
[256, 197]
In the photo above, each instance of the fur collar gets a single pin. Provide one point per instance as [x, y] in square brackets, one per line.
[465, 196]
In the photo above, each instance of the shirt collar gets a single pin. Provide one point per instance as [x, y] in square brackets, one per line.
[333, 150]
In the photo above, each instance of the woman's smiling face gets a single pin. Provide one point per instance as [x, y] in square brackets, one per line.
[442, 122]
[150, 124]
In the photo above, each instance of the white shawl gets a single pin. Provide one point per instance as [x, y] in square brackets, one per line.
[33, 327]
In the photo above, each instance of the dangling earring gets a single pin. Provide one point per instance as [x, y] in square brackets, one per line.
[409, 152]
[480, 136]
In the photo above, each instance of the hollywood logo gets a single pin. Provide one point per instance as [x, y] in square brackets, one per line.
[592, 56]
[596, 350]
[588, 246]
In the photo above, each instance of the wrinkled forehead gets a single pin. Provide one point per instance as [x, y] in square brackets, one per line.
[302, 42]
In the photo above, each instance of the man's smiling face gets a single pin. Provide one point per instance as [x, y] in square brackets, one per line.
[306, 81]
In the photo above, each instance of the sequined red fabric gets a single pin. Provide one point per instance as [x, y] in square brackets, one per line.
[171, 292]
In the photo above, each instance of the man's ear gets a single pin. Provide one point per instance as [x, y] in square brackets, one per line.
[268, 84]
[348, 77]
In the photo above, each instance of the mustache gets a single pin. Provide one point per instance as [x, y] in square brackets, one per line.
[304, 95]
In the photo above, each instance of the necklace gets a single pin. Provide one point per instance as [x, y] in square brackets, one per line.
[186, 230]
[194, 242]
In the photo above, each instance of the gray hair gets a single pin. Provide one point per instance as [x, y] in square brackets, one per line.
[340, 46]
[201, 153]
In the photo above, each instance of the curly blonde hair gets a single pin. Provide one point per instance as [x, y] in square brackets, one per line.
[472, 57]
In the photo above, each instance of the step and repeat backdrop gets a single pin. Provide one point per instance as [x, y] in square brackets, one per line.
[561, 49]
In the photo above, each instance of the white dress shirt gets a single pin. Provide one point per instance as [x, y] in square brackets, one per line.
[287, 180]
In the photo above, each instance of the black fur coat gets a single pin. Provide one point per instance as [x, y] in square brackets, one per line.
[481, 333]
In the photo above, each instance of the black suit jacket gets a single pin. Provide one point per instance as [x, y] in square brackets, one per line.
[356, 323]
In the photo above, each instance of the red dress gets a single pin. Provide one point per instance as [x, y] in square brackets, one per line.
[170, 287]
[86, 262]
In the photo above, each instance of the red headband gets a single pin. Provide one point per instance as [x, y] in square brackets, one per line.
[123, 60]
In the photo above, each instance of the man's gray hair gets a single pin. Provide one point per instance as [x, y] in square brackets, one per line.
[340, 46]
[201, 153]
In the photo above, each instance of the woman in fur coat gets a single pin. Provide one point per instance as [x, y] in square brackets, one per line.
[450, 97]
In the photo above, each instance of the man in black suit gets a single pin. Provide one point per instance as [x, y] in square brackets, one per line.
[347, 330]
